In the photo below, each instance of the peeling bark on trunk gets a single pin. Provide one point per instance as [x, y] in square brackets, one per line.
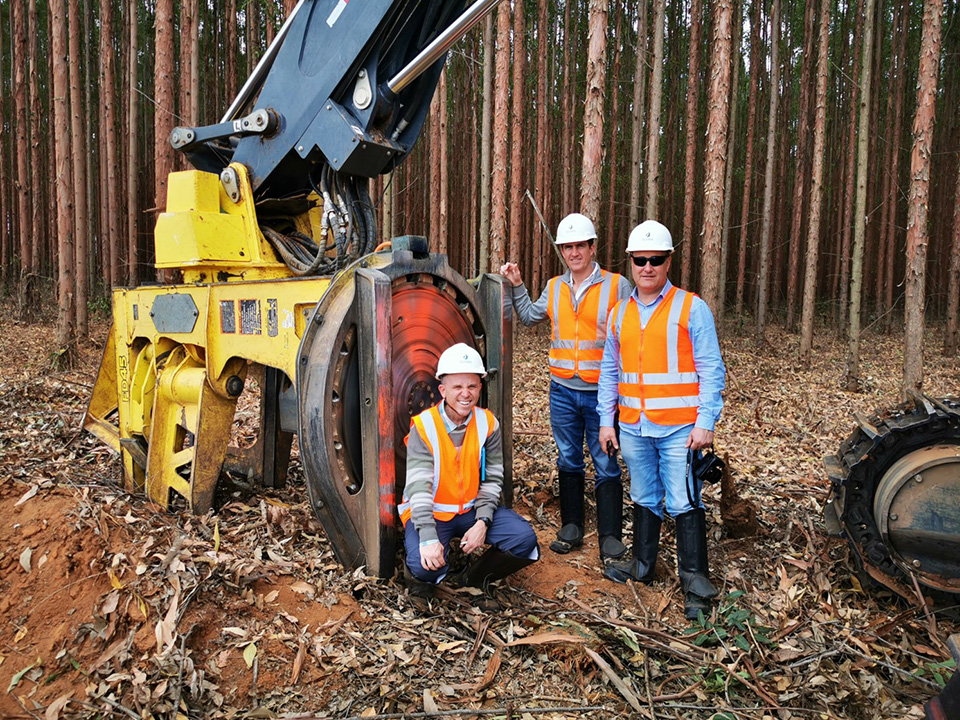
[718, 118]
[720, 309]
[690, 151]
[485, 148]
[109, 182]
[517, 145]
[21, 151]
[919, 196]
[79, 189]
[593, 112]
[498, 219]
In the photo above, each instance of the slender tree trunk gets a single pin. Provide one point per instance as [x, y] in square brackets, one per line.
[542, 169]
[66, 312]
[443, 229]
[816, 187]
[860, 213]
[613, 128]
[919, 196]
[849, 186]
[748, 158]
[952, 335]
[164, 92]
[720, 309]
[885, 168]
[639, 93]
[892, 229]
[569, 70]
[6, 251]
[517, 202]
[38, 175]
[133, 127]
[485, 143]
[111, 187]
[718, 119]
[498, 219]
[79, 186]
[653, 120]
[187, 58]
[765, 239]
[230, 50]
[22, 153]
[800, 174]
[690, 152]
[593, 114]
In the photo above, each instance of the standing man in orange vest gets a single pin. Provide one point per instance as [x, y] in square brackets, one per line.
[663, 371]
[578, 303]
[454, 477]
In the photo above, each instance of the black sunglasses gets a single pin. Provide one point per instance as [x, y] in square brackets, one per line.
[655, 261]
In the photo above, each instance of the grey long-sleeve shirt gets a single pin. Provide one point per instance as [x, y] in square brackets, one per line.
[419, 487]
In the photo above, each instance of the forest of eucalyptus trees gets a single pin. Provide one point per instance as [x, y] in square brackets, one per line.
[804, 155]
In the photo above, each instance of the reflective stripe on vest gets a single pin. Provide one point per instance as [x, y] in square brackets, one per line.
[578, 332]
[456, 474]
[658, 375]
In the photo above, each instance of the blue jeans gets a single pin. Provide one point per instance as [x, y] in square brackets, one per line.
[658, 471]
[573, 414]
[508, 533]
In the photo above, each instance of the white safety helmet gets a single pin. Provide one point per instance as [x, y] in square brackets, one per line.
[460, 358]
[650, 235]
[575, 228]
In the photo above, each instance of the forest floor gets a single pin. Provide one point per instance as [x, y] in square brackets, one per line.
[111, 607]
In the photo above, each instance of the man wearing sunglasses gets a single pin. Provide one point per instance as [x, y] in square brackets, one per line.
[578, 304]
[663, 372]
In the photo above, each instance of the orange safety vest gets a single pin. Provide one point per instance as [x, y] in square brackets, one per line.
[658, 376]
[456, 472]
[576, 342]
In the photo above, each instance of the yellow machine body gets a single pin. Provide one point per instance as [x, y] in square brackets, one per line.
[343, 360]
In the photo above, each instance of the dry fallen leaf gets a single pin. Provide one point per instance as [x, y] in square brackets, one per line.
[27, 495]
[25, 559]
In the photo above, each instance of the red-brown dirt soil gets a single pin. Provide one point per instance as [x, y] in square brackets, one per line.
[112, 607]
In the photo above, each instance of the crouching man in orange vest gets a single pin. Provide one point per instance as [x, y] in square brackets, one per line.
[663, 371]
[454, 477]
[578, 304]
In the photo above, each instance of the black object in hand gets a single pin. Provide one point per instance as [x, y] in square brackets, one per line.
[708, 468]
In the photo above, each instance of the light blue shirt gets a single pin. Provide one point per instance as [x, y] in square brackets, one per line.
[706, 358]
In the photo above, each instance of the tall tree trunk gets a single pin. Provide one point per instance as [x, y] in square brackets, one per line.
[816, 187]
[443, 228]
[164, 93]
[66, 313]
[79, 185]
[187, 58]
[748, 158]
[614, 129]
[38, 176]
[919, 196]
[230, 49]
[542, 168]
[485, 147]
[133, 127]
[21, 151]
[767, 218]
[593, 113]
[569, 83]
[516, 145]
[111, 222]
[718, 119]
[720, 309]
[884, 168]
[498, 219]
[860, 213]
[6, 251]
[800, 170]
[952, 335]
[690, 152]
[639, 93]
[849, 185]
[653, 120]
[893, 228]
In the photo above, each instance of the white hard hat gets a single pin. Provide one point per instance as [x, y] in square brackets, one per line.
[650, 235]
[460, 358]
[575, 228]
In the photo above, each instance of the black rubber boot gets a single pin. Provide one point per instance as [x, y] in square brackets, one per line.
[417, 588]
[692, 563]
[493, 565]
[646, 546]
[570, 535]
[610, 520]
